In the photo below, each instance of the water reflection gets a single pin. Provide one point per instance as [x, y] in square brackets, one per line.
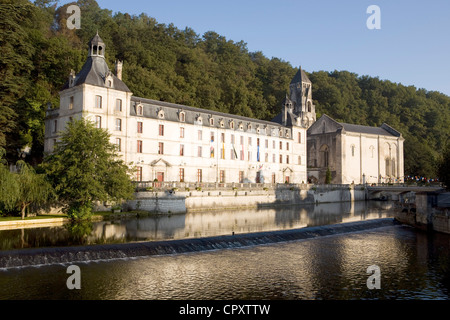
[413, 265]
[194, 225]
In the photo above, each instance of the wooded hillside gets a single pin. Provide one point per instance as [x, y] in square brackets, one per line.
[162, 62]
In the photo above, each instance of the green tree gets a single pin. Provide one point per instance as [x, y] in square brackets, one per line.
[444, 168]
[85, 167]
[328, 176]
[33, 187]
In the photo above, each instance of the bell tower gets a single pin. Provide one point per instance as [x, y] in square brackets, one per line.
[96, 47]
[301, 96]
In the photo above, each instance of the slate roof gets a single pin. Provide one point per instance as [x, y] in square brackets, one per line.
[93, 72]
[383, 130]
[171, 113]
[365, 129]
[300, 76]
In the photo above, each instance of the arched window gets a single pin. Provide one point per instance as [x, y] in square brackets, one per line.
[353, 149]
[324, 153]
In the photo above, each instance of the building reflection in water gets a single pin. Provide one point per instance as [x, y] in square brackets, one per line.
[196, 224]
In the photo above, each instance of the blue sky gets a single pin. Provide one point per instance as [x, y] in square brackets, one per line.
[412, 47]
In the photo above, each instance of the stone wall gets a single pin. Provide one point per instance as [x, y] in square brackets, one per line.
[183, 201]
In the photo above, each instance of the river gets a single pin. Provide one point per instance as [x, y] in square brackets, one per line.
[412, 264]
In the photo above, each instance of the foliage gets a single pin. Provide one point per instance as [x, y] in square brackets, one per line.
[85, 167]
[209, 71]
[19, 190]
[444, 168]
[328, 176]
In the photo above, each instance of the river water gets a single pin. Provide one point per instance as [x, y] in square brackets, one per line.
[412, 264]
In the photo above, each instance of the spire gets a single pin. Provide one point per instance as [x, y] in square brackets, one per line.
[300, 76]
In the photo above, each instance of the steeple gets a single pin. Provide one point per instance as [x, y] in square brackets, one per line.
[301, 96]
[96, 47]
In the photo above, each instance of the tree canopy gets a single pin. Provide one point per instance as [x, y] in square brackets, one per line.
[85, 167]
[165, 63]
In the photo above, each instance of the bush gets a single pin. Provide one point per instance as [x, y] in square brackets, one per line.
[79, 211]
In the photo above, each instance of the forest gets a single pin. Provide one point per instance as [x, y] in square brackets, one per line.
[162, 62]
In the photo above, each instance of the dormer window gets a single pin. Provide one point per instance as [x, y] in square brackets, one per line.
[199, 119]
[221, 123]
[249, 126]
[257, 129]
[139, 110]
[161, 114]
[232, 124]
[287, 133]
[241, 126]
[211, 121]
[182, 116]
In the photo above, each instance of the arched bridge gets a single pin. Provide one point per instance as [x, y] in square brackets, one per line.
[396, 192]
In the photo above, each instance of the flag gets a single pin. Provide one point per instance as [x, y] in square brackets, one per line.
[235, 153]
[257, 154]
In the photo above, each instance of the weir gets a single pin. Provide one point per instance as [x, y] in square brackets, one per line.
[80, 254]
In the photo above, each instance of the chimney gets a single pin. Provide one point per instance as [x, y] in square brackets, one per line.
[119, 69]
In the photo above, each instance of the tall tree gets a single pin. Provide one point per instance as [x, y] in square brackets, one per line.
[85, 167]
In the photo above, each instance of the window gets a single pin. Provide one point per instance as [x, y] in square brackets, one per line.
[139, 110]
[182, 117]
[222, 176]
[199, 151]
[299, 160]
[232, 124]
[98, 122]
[55, 125]
[138, 173]
[222, 137]
[287, 146]
[241, 176]
[160, 147]
[71, 103]
[140, 127]
[299, 137]
[181, 132]
[119, 144]
[267, 143]
[181, 174]
[98, 102]
[118, 124]
[181, 149]
[200, 135]
[232, 139]
[139, 146]
[118, 105]
[242, 140]
[249, 141]
[211, 121]
[199, 175]
[281, 158]
[222, 153]
[353, 150]
[266, 157]
[281, 145]
[273, 144]
[212, 136]
[273, 158]
[161, 130]
[287, 159]
[242, 154]
[249, 156]
[274, 180]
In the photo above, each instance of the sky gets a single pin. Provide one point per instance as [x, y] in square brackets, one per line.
[411, 46]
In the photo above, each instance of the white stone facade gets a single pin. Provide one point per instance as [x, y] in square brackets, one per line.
[170, 142]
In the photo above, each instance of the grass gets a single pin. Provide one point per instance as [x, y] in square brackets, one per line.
[46, 216]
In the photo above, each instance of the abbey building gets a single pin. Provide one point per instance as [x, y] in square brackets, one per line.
[172, 142]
